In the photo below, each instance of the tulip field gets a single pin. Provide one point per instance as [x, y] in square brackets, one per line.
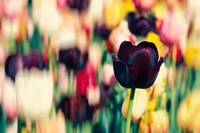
[99, 66]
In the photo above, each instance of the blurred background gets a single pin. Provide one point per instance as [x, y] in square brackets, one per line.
[56, 69]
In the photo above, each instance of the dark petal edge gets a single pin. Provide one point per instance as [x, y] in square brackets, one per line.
[153, 73]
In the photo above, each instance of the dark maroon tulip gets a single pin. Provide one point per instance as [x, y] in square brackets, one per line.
[102, 31]
[34, 59]
[79, 5]
[137, 66]
[76, 109]
[12, 65]
[140, 25]
[73, 58]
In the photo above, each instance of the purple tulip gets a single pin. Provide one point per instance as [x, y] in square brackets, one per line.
[34, 59]
[13, 64]
[73, 58]
[76, 109]
[137, 66]
[80, 5]
[140, 25]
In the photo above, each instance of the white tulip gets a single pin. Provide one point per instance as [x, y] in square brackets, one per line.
[49, 18]
[34, 93]
[10, 28]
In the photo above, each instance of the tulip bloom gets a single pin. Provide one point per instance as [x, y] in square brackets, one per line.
[34, 101]
[171, 29]
[76, 109]
[188, 114]
[73, 58]
[13, 64]
[9, 102]
[137, 66]
[141, 25]
[139, 105]
[157, 122]
[55, 124]
[144, 5]
[108, 75]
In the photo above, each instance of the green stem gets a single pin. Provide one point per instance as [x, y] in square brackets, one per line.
[130, 105]
[50, 56]
[33, 130]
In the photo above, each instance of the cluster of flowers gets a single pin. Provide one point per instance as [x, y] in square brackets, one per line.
[62, 63]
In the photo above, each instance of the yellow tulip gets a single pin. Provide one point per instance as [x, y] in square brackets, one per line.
[24, 130]
[114, 13]
[155, 121]
[139, 104]
[162, 49]
[160, 9]
[129, 6]
[192, 56]
[188, 115]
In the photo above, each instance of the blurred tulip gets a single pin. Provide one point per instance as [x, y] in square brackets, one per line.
[61, 4]
[87, 73]
[73, 58]
[96, 9]
[47, 25]
[34, 59]
[34, 101]
[137, 66]
[144, 6]
[76, 109]
[105, 93]
[171, 29]
[159, 85]
[12, 9]
[162, 49]
[192, 55]
[140, 26]
[93, 95]
[139, 105]
[56, 124]
[95, 56]
[188, 114]
[10, 28]
[78, 4]
[13, 64]
[114, 13]
[12, 128]
[108, 75]
[103, 31]
[120, 34]
[157, 122]
[160, 9]
[9, 102]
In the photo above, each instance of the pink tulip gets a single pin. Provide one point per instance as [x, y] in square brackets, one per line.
[118, 35]
[144, 5]
[108, 75]
[13, 8]
[9, 103]
[171, 29]
[61, 4]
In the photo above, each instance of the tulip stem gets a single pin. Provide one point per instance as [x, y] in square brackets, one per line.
[130, 105]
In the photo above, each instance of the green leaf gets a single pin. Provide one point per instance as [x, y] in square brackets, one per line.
[35, 41]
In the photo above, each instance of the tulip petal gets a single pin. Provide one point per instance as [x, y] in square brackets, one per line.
[152, 75]
[145, 44]
[123, 72]
[125, 49]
